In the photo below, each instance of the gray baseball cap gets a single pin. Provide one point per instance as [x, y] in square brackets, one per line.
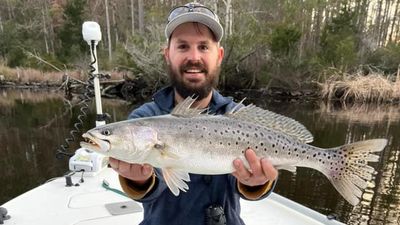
[194, 12]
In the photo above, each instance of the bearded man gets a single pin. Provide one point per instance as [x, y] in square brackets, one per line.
[193, 56]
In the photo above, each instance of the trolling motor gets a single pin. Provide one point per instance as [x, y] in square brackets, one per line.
[85, 160]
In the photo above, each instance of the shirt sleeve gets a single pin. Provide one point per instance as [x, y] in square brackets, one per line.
[255, 192]
[147, 193]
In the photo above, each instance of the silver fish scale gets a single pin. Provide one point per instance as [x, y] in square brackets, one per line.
[218, 135]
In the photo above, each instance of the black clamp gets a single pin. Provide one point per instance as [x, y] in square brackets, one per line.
[3, 215]
[103, 117]
[215, 215]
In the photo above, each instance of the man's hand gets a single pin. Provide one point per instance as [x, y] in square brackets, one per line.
[261, 170]
[138, 173]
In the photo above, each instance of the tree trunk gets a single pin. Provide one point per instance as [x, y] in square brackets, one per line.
[394, 21]
[132, 18]
[215, 6]
[385, 23]
[108, 32]
[141, 16]
[10, 10]
[377, 24]
[228, 17]
[1, 25]
[114, 20]
[45, 32]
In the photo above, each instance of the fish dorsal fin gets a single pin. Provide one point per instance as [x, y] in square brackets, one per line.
[271, 120]
[183, 109]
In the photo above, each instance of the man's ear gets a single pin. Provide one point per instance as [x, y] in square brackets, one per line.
[221, 53]
[166, 55]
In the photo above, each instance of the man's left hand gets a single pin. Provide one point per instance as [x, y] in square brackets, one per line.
[261, 170]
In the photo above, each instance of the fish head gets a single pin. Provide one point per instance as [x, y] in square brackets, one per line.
[123, 141]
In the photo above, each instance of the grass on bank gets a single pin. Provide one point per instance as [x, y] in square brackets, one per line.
[31, 76]
[374, 87]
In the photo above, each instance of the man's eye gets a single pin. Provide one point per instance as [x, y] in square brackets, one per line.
[182, 46]
[203, 47]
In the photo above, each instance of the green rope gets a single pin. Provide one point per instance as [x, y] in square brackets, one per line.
[106, 185]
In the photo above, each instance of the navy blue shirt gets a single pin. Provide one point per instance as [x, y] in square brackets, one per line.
[161, 206]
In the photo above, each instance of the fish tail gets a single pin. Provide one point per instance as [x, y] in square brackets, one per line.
[348, 169]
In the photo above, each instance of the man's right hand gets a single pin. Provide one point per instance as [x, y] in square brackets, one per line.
[137, 173]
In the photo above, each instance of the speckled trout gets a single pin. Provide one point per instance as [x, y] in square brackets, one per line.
[191, 141]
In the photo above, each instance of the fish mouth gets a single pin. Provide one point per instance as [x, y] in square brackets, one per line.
[93, 143]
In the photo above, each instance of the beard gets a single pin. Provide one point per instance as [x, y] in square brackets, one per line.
[185, 89]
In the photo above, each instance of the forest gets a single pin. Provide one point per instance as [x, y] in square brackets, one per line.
[293, 44]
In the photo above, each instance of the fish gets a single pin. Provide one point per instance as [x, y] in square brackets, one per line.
[192, 140]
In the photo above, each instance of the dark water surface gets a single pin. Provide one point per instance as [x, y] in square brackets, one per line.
[34, 124]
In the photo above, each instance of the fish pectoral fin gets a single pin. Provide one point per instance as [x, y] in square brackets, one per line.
[175, 180]
[289, 168]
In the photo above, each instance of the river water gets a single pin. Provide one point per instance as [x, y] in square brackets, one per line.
[34, 124]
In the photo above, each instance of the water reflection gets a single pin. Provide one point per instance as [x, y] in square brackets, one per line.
[381, 201]
[32, 127]
[27, 152]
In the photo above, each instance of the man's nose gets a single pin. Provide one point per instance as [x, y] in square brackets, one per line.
[194, 54]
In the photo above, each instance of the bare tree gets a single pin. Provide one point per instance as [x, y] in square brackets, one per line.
[108, 32]
[228, 17]
[141, 16]
[394, 21]
[114, 20]
[45, 32]
[1, 25]
[132, 17]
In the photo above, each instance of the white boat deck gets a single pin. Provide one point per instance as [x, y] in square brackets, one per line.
[91, 204]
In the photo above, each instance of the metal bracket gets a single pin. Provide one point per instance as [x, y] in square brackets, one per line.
[121, 208]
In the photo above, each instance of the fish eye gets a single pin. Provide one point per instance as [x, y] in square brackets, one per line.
[106, 132]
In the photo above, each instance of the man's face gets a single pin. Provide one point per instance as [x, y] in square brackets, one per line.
[193, 58]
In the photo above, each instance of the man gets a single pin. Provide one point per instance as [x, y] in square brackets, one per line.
[193, 57]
